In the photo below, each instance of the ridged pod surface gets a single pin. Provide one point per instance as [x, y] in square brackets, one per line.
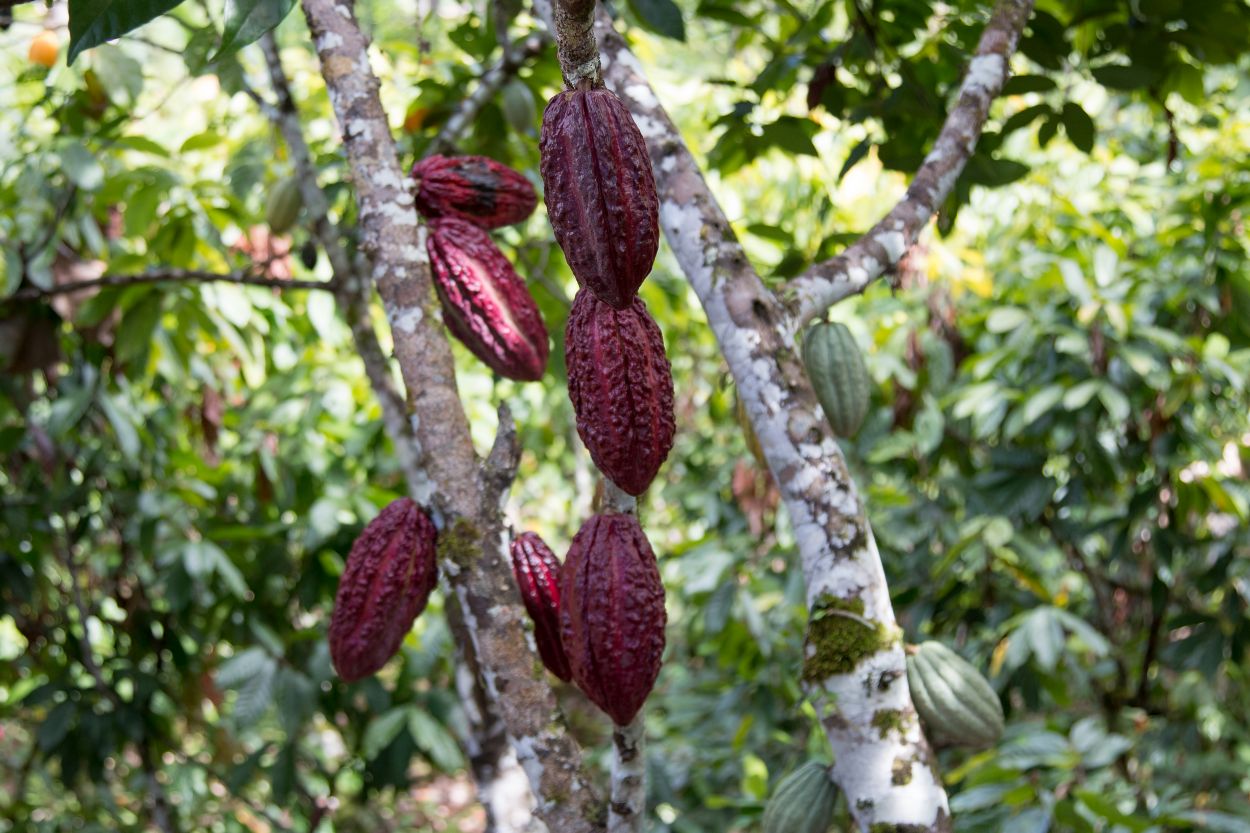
[838, 375]
[600, 192]
[612, 614]
[474, 188]
[621, 386]
[485, 302]
[537, 574]
[802, 802]
[384, 587]
[955, 703]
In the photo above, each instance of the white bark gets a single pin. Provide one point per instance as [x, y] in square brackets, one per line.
[627, 806]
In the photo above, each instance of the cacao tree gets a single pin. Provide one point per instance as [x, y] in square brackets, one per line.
[1019, 439]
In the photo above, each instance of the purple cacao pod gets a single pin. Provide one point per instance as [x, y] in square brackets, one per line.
[485, 302]
[621, 386]
[538, 576]
[600, 192]
[387, 581]
[612, 614]
[487, 193]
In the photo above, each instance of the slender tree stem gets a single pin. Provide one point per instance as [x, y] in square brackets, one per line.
[628, 805]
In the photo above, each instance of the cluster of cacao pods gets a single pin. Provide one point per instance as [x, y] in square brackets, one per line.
[385, 585]
[486, 304]
[598, 619]
[957, 705]
[604, 209]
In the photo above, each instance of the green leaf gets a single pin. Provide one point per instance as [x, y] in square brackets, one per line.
[92, 22]
[1018, 84]
[660, 16]
[1079, 126]
[81, 166]
[248, 20]
[384, 729]
[435, 741]
[1119, 77]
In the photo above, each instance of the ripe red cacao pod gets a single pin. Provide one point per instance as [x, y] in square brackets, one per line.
[621, 386]
[612, 614]
[485, 302]
[388, 578]
[538, 576]
[600, 192]
[474, 188]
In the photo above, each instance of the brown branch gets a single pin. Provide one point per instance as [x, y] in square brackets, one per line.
[472, 544]
[31, 293]
[878, 251]
[574, 22]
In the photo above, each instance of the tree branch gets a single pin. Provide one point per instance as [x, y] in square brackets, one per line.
[573, 24]
[628, 804]
[31, 293]
[878, 251]
[473, 549]
[353, 292]
[488, 85]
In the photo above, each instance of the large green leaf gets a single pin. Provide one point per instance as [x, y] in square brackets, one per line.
[248, 20]
[660, 16]
[92, 22]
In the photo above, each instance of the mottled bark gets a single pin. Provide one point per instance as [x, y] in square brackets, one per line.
[854, 667]
[627, 806]
[473, 547]
[573, 24]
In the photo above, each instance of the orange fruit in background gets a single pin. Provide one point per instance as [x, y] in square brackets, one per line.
[44, 48]
[415, 118]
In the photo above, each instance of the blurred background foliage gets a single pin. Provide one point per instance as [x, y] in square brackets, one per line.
[1055, 463]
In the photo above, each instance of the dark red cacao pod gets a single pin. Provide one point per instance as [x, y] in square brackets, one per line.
[389, 575]
[474, 188]
[612, 614]
[600, 192]
[538, 576]
[485, 302]
[621, 386]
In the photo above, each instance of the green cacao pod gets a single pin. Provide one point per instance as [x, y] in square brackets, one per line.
[838, 376]
[285, 202]
[802, 802]
[957, 705]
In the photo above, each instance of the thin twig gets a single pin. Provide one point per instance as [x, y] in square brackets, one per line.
[31, 293]
[488, 85]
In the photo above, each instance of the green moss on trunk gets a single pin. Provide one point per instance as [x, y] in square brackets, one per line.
[838, 637]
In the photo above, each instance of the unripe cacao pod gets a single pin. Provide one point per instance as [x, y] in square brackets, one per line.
[621, 386]
[802, 802]
[957, 705]
[285, 202]
[600, 192]
[538, 576]
[487, 193]
[485, 302]
[838, 375]
[612, 614]
[385, 585]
